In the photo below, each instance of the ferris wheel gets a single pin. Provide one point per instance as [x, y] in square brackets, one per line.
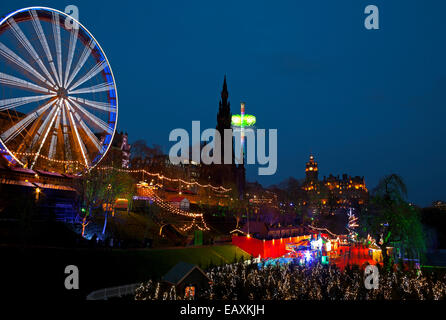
[58, 97]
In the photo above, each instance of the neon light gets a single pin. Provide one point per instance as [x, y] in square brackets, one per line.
[248, 120]
[241, 121]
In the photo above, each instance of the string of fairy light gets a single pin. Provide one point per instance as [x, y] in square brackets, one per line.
[39, 155]
[160, 202]
[190, 226]
[323, 229]
[174, 210]
[220, 189]
[162, 177]
[352, 224]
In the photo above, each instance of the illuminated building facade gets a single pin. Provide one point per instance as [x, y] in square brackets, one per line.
[333, 191]
[439, 204]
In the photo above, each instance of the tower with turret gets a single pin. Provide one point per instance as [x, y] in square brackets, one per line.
[311, 170]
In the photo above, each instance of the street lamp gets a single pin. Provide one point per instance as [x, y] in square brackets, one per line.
[38, 193]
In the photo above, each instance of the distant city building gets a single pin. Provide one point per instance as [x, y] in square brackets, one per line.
[258, 196]
[333, 191]
[439, 204]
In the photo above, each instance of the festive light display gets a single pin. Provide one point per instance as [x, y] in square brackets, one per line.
[316, 244]
[308, 256]
[150, 192]
[328, 246]
[187, 227]
[33, 154]
[275, 248]
[324, 230]
[55, 121]
[220, 189]
[243, 281]
[352, 225]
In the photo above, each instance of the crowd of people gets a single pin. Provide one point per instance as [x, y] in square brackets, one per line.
[318, 282]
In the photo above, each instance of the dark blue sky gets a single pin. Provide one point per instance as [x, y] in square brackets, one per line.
[364, 102]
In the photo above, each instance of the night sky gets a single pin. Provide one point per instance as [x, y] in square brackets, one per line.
[365, 102]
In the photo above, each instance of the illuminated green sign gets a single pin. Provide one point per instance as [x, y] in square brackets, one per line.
[248, 120]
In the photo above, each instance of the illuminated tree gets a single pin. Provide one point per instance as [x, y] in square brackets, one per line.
[115, 185]
[391, 220]
[84, 224]
[101, 187]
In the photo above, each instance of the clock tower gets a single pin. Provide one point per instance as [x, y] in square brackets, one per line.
[311, 170]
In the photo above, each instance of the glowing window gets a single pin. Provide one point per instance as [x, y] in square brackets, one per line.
[190, 292]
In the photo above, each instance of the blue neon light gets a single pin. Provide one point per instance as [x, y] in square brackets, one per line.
[107, 139]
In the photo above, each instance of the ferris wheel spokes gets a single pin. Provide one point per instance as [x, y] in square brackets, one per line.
[11, 56]
[95, 104]
[95, 120]
[71, 48]
[12, 81]
[53, 145]
[46, 48]
[80, 63]
[17, 128]
[58, 42]
[11, 103]
[18, 33]
[52, 115]
[67, 146]
[90, 74]
[93, 89]
[79, 140]
[86, 129]
[40, 128]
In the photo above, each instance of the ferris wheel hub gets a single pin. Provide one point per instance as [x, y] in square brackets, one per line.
[62, 93]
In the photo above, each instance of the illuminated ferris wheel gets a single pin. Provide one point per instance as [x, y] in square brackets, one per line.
[58, 98]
